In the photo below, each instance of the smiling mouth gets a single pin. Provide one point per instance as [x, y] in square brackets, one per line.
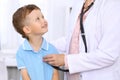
[45, 26]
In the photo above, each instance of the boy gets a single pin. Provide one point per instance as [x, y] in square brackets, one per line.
[30, 23]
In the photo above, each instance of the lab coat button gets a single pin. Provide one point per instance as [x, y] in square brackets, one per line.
[80, 75]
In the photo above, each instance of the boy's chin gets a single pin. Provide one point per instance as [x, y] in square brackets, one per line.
[44, 32]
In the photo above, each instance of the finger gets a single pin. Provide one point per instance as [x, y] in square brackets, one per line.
[51, 63]
[48, 59]
[47, 56]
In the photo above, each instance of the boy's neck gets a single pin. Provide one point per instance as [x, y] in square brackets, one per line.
[36, 43]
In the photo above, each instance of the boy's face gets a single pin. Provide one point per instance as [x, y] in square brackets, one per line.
[36, 22]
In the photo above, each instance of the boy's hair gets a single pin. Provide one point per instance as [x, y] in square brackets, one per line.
[19, 18]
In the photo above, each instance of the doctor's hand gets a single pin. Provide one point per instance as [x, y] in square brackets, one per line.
[55, 59]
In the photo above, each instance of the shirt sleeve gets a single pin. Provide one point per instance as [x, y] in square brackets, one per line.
[60, 44]
[20, 61]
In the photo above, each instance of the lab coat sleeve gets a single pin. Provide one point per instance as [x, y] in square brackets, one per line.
[60, 44]
[108, 50]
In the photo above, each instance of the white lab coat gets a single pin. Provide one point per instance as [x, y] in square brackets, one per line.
[102, 29]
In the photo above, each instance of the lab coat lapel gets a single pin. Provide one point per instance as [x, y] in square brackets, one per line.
[73, 19]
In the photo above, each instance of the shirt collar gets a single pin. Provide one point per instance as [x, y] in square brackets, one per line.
[44, 45]
[26, 45]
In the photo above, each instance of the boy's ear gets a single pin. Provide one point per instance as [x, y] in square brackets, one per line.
[26, 29]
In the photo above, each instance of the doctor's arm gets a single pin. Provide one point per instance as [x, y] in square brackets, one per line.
[60, 44]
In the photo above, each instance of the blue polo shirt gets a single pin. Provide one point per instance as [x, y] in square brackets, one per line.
[33, 61]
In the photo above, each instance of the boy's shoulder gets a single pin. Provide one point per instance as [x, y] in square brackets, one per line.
[19, 50]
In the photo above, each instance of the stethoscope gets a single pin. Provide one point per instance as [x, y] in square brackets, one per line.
[82, 34]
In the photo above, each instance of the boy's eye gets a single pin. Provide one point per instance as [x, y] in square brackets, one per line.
[38, 18]
[43, 17]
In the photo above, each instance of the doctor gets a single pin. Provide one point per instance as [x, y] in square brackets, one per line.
[97, 56]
